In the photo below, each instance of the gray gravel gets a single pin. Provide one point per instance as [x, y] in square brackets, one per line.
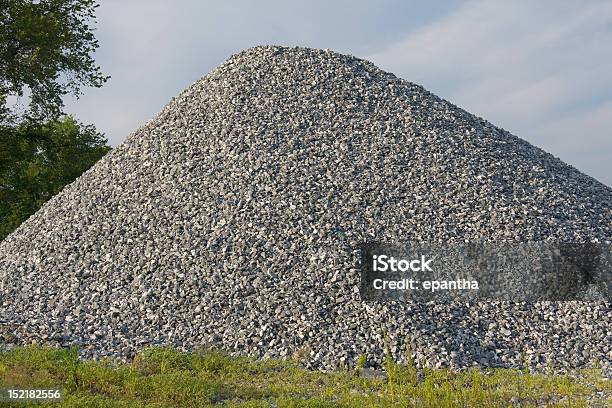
[234, 216]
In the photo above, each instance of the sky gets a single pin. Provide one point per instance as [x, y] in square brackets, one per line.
[541, 70]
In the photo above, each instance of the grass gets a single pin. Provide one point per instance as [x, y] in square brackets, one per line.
[164, 377]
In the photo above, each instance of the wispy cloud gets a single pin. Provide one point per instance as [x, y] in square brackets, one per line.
[538, 69]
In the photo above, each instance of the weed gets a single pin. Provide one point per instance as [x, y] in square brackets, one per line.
[164, 377]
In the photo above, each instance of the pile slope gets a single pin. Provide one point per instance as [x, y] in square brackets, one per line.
[234, 217]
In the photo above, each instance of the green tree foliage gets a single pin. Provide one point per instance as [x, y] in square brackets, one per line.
[46, 49]
[46, 52]
[37, 161]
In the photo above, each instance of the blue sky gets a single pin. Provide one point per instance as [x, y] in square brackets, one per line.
[542, 70]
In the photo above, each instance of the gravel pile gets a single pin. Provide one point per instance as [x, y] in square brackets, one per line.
[234, 217]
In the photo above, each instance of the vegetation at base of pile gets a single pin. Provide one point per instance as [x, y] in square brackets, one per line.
[164, 377]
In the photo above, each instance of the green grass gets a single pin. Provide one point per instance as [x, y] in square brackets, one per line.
[163, 377]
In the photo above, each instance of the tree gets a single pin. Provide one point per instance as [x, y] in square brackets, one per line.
[46, 52]
[37, 161]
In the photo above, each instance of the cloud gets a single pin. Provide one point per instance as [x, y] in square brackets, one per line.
[538, 69]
